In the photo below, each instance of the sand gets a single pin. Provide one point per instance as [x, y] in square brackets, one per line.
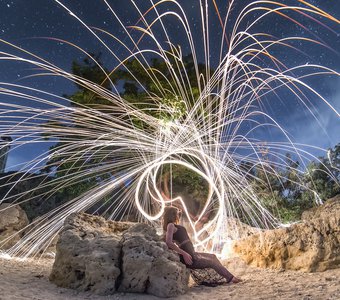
[29, 280]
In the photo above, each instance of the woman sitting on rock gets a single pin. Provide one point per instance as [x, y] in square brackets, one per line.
[177, 239]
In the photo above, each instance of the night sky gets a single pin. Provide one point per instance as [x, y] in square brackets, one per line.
[32, 24]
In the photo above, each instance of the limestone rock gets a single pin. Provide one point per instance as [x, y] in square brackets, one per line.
[13, 220]
[102, 256]
[148, 266]
[237, 229]
[88, 254]
[329, 207]
[312, 245]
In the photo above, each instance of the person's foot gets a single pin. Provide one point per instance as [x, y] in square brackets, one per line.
[235, 280]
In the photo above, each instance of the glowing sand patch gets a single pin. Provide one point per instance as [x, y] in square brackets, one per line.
[5, 255]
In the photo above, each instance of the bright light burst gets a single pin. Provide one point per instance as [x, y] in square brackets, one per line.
[209, 128]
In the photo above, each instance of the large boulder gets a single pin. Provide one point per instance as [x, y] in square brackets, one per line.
[311, 245]
[149, 267]
[88, 254]
[13, 220]
[105, 256]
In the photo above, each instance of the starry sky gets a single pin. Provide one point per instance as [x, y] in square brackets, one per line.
[34, 25]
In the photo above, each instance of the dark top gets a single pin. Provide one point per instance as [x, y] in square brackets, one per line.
[180, 236]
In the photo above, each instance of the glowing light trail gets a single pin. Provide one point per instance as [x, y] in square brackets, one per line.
[207, 137]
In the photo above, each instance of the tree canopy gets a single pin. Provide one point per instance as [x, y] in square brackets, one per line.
[150, 87]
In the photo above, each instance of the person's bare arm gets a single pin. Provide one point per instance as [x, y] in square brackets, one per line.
[169, 241]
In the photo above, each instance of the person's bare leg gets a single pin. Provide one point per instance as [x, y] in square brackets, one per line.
[207, 260]
[222, 269]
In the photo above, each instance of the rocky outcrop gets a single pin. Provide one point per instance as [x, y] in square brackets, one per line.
[106, 256]
[237, 229]
[13, 220]
[312, 245]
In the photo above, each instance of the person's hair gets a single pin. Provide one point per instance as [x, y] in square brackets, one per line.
[170, 215]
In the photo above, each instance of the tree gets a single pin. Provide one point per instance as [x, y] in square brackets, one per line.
[153, 89]
[323, 176]
[148, 87]
[92, 70]
[287, 194]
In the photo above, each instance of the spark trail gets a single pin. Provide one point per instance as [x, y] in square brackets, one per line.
[204, 123]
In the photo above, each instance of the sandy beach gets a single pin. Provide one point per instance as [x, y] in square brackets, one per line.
[29, 280]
